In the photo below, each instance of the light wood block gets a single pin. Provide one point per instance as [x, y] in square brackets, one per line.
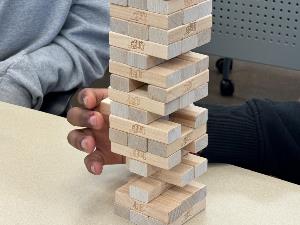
[142, 61]
[119, 26]
[139, 99]
[167, 37]
[118, 55]
[185, 68]
[148, 18]
[141, 219]
[171, 6]
[145, 47]
[159, 130]
[124, 84]
[190, 116]
[167, 95]
[179, 175]
[137, 142]
[137, 60]
[201, 61]
[139, 4]
[141, 168]
[120, 110]
[118, 136]
[119, 2]
[138, 30]
[142, 116]
[188, 135]
[204, 37]
[195, 12]
[189, 43]
[146, 189]
[198, 163]
[194, 95]
[104, 107]
[198, 145]
[169, 206]
[146, 157]
[158, 75]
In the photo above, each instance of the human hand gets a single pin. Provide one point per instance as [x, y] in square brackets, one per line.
[94, 137]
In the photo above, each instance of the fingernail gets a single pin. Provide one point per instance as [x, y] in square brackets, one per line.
[84, 144]
[85, 101]
[93, 169]
[93, 121]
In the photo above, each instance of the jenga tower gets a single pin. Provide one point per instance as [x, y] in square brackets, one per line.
[155, 80]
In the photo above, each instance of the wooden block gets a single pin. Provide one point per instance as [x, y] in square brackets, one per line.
[141, 219]
[104, 107]
[168, 7]
[137, 142]
[158, 75]
[119, 2]
[148, 18]
[142, 116]
[123, 83]
[122, 211]
[204, 37]
[146, 189]
[167, 95]
[146, 157]
[140, 168]
[139, 99]
[180, 175]
[119, 26]
[198, 145]
[193, 96]
[142, 61]
[138, 30]
[139, 4]
[145, 47]
[190, 43]
[182, 199]
[188, 135]
[118, 54]
[195, 12]
[120, 110]
[169, 206]
[167, 37]
[190, 116]
[159, 130]
[185, 68]
[118, 136]
[202, 61]
[198, 163]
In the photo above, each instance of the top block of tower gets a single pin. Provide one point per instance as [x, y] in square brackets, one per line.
[159, 28]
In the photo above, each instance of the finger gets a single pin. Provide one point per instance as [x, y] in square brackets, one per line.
[85, 118]
[82, 139]
[90, 98]
[94, 162]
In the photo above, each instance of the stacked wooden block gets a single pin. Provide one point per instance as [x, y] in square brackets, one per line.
[154, 81]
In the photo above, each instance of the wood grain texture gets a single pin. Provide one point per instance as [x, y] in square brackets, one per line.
[118, 136]
[145, 47]
[148, 18]
[142, 116]
[120, 110]
[139, 4]
[198, 163]
[190, 116]
[195, 12]
[198, 145]
[146, 157]
[167, 95]
[123, 83]
[119, 26]
[188, 135]
[140, 168]
[119, 2]
[104, 106]
[159, 130]
[138, 30]
[138, 143]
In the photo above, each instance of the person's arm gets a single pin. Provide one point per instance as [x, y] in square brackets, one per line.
[75, 58]
[260, 135]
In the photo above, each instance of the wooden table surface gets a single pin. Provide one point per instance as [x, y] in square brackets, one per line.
[44, 181]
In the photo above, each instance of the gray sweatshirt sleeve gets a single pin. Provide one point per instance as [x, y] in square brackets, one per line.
[76, 57]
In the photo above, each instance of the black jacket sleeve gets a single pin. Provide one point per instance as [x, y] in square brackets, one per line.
[260, 135]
